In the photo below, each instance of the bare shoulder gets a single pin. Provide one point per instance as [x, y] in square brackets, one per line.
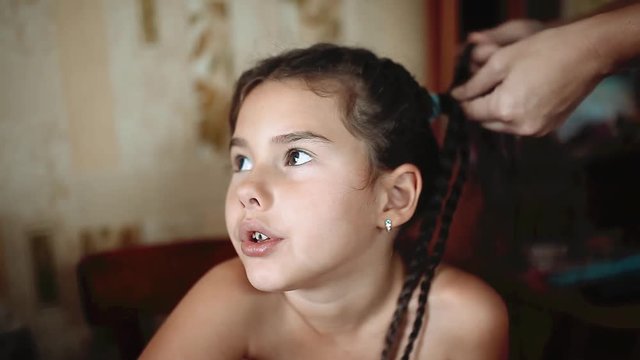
[471, 314]
[210, 319]
[455, 288]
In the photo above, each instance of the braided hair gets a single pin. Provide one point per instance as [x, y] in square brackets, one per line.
[385, 106]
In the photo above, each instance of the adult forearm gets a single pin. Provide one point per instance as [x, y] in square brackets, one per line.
[614, 36]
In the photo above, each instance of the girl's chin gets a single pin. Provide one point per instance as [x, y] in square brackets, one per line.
[266, 281]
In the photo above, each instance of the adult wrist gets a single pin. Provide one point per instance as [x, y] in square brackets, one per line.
[613, 36]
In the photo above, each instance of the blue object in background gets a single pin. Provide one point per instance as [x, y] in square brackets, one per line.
[611, 98]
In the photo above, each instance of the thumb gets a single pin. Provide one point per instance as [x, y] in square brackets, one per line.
[480, 110]
[481, 83]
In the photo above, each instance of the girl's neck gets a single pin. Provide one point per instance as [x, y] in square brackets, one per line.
[356, 303]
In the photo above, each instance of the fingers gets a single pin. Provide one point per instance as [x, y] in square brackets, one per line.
[500, 35]
[479, 109]
[507, 32]
[515, 129]
[479, 37]
[503, 34]
[487, 78]
[483, 111]
[481, 53]
[496, 126]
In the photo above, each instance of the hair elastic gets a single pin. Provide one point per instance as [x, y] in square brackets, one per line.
[437, 109]
[442, 104]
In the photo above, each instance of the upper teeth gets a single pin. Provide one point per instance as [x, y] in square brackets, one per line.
[258, 236]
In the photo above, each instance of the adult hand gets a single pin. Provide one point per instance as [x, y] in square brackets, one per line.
[531, 86]
[487, 42]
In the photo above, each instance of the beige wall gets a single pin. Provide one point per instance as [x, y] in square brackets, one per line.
[390, 28]
[98, 129]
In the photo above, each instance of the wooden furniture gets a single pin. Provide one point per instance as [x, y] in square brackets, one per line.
[120, 288]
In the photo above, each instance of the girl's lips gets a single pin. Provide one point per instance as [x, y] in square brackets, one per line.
[263, 248]
[252, 248]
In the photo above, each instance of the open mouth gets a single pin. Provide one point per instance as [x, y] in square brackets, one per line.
[256, 240]
[258, 237]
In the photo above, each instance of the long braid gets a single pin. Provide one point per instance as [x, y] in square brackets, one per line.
[439, 246]
[412, 278]
[417, 264]
[414, 268]
[455, 146]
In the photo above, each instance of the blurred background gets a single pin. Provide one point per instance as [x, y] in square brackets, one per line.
[113, 140]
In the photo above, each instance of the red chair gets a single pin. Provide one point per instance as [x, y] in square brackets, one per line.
[120, 288]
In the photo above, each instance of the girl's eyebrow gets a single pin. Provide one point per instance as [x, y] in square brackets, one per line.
[284, 139]
[297, 136]
[240, 142]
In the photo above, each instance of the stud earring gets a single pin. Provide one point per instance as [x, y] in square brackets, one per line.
[387, 224]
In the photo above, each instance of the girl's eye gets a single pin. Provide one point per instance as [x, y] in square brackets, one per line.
[242, 163]
[297, 157]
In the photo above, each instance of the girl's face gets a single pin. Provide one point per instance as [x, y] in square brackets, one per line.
[300, 209]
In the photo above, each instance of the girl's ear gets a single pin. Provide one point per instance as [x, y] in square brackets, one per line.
[402, 188]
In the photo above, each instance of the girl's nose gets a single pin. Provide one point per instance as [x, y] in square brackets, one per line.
[254, 193]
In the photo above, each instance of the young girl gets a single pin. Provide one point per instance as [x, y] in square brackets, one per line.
[333, 158]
